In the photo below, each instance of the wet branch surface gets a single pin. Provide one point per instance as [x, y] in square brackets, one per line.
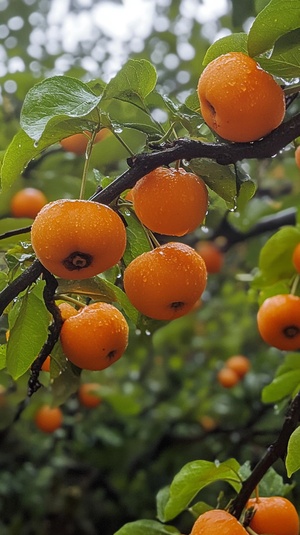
[188, 149]
[276, 451]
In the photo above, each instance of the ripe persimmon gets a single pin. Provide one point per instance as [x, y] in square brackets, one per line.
[274, 514]
[212, 256]
[217, 522]
[239, 364]
[170, 201]
[165, 283]
[88, 395]
[296, 257]
[278, 321]
[238, 99]
[77, 143]
[297, 156]
[67, 310]
[95, 337]
[48, 419]
[227, 377]
[77, 239]
[46, 364]
[27, 202]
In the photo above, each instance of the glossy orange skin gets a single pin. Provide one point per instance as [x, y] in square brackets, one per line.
[46, 364]
[77, 143]
[297, 156]
[238, 99]
[275, 515]
[27, 202]
[239, 364]
[88, 396]
[296, 257]
[227, 377]
[217, 522]
[165, 283]
[170, 201]
[48, 419]
[96, 337]
[278, 321]
[67, 311]
[66, 232]
[212, 256]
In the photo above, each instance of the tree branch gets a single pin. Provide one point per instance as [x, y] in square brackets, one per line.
[188, 149]
[20, 284]
[276, 451]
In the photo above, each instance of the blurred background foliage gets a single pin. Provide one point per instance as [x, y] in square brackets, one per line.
[162, 404]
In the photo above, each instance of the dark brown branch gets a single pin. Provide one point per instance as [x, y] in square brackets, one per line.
[20, 284]
[268, 223]
[54, 331]
[188, 149]
[15, 232]
[276, 451]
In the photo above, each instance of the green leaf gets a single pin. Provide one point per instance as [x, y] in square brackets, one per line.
[99, 289]
[23, 149]
[56, 98]
[193, 477]
[3, 348]
[28, 334]
[224, 181]
[275, 20]
[236, 42]
[292, 461]
[65, 377]
[137, 237]
[282, 386]
[146, 527]
[275, 260]
[132, 83]
[285, 59]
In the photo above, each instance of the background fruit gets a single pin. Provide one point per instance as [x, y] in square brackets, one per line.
[239, 364]
[217, 522]
[77, 143]
[48, 419]
[212, 256]
[88, 395]
[77, 239]
[278, 321]
[227, 377]
[275, 515]
[27, 202]
[166, 282]
[170, 201]
[96, 337]
[239, 100]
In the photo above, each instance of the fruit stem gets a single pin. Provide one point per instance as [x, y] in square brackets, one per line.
[126, 147]
[88, 153]
[250, 531]
[65, 297]
[294, 285]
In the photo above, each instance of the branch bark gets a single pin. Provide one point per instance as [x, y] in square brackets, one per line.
[188, 149]
[276, 451]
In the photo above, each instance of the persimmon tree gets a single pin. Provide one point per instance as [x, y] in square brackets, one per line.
[61, 106]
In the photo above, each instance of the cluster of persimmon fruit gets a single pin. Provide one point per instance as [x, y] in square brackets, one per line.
[233, 370]
[77, 239]
[274, 515]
